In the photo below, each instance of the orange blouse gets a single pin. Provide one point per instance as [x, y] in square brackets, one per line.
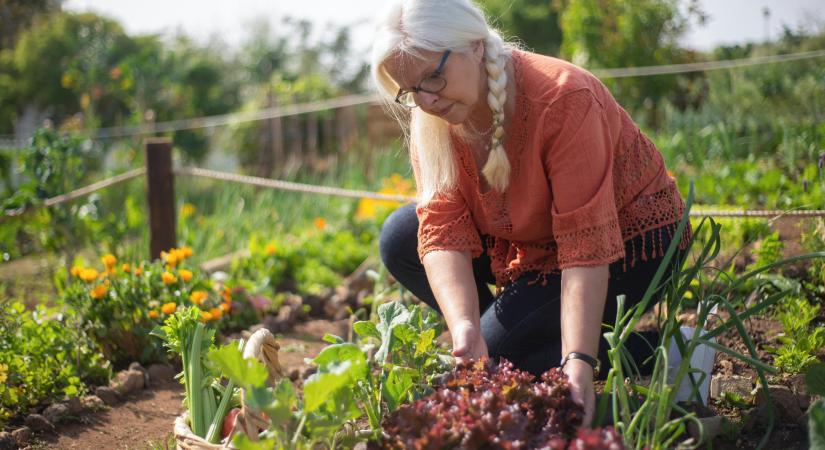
[584, 179]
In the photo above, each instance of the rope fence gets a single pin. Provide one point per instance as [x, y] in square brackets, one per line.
[356, 194]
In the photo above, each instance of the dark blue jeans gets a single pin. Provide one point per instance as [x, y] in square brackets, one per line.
[523, 323]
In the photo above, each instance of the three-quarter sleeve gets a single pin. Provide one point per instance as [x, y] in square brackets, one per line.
[445, 222]
[579, 165]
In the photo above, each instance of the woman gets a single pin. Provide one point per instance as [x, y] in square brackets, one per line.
[529, 176]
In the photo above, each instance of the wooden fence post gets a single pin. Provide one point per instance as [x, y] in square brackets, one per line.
[160, 196]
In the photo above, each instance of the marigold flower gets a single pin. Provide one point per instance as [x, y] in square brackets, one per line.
[227, 294]
[320, 223]
[185, 275]
[225, 307]
[270, 249]
[76, 271]
[138, 271]
[170, 258]
[205, 316]
[99, 291]
[126, 268]
[153, 314]
[88, 275]
[109, 260]
[169, 308]
[186, 251]
[168, 278]
[187, 210]
[197, 297]
[216, 313]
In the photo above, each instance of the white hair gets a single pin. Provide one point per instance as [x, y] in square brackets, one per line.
[409, 26]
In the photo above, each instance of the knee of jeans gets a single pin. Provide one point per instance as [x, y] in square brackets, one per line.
[400, 228]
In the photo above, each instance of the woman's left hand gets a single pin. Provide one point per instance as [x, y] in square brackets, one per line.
[580, 377]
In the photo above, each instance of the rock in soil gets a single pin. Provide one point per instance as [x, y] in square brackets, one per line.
[128, 381]
[161, 373]
[55, 412]
[7, 441]
[38, 423]
[107, 394]
[92, 402]
[712, 426]
[75, 405]
[22, 436]
[786, 405]
[742, 386]
[136, 366]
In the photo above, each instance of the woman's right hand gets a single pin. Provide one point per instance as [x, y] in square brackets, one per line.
[467, 342]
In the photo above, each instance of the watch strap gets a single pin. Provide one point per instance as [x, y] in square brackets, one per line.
[594, 363]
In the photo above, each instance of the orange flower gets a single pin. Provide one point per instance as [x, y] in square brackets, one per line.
[320, 223]
[99, 291]
[88, 275]
[126, 268]
[205, 316]
[76, 271]
[170, 258]
[109, 260]
[227, 294]
[153, 314]
[186, 275]
[197, 297]
[270, 249]
[186, 251]
[225, 307]
[138, 271]
[168, 278]
[169, 308]
[670, 174]
[216, 313]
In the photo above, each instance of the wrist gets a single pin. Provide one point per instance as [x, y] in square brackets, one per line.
[580, 363]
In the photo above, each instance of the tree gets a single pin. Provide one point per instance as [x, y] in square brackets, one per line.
[533, 22]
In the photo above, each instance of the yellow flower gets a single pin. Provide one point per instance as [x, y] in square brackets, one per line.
[270, 249]
[187, 210]
[216, 313]
[88, 275]
[126, 268]
[205, 316]
[99, 291]
[76, 271]
[320, 223]
[109, 260]
[185, 275]
[168, 278]
[170, 258]
[197, 297]
[186, 251]
[169, 308]
[153, 314]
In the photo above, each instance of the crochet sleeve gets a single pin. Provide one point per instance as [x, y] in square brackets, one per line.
[445, 223]
[579, 165]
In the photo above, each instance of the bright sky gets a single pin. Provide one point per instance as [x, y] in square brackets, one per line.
[731, 21]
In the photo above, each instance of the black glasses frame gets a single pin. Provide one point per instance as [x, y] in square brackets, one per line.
[436, 74]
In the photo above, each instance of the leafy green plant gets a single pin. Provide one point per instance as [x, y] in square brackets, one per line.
[800, 342]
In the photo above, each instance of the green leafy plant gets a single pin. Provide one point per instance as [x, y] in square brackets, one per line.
[800, 342]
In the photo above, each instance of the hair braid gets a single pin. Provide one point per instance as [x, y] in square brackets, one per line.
[497, 168]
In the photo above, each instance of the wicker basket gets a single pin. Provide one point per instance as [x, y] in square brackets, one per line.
[263, 346]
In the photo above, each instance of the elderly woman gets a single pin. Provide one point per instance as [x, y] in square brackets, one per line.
[529, 176]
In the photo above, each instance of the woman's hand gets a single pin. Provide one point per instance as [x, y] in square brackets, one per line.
[580, 377]
[467, 342]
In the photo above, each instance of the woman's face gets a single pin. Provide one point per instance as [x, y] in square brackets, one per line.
[462, 71]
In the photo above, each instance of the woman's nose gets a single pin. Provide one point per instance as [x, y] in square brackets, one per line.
[425, 99]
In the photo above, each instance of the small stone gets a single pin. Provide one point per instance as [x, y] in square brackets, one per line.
[161, 373]
[75, 405]
[307, 371]
[55, 412]
[38, 423]
[92, 402]
[712, 426]
[107, 395]
[22, 436]
[785, 404]
[128, 381]
[738, 385]
[136, 366]
[7, 441]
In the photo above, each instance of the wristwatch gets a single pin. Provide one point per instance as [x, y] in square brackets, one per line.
[594, 363]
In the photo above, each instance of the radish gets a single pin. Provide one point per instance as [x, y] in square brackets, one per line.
[229, 422]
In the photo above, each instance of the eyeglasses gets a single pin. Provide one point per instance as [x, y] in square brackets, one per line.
[432, 84]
